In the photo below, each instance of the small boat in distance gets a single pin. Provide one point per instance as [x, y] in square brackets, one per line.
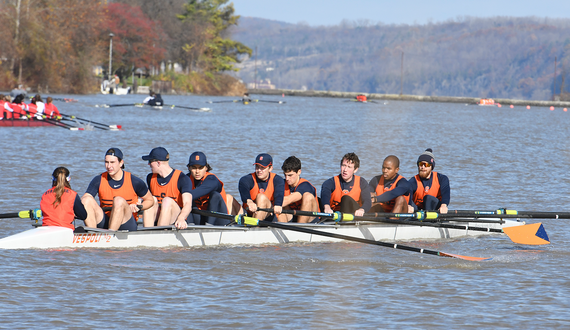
[487, 102]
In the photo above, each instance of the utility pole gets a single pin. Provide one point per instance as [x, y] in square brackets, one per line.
[402, 76]
[111, 35]
[554, 89]
[562, 86]
[255, 72]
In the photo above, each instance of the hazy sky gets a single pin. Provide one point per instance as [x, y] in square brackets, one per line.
[331, 12]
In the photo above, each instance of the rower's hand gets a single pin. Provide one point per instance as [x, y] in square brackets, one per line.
[134, 208]
[251, 206]
[410, 209]
[180, 224]
[443, 209]
[359, 212]
[277, 210]
[328, 209]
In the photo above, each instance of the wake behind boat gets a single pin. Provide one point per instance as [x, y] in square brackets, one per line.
[52, 237]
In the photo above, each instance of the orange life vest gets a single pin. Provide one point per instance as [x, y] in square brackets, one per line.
[107, 194]
[421, 192]
[61, 215]
[361, 98]
[297, 204]
[337, 194]
[267, 192]
[203, 202]
[380, 189]
[168, 190]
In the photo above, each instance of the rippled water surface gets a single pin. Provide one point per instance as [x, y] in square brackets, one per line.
[513, 158]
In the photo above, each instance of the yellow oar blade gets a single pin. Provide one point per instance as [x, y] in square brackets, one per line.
[451, 255]
[531, 234]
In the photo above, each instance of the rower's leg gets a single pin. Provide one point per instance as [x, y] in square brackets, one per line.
[285, 217]
[169, 211]
[217, 204]
[120, 214]
[309, 204]
[94, 211]
[234, 207]
[401, 205]
[150, 214]
[262, 202]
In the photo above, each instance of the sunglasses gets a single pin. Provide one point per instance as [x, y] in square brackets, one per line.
[424, 164]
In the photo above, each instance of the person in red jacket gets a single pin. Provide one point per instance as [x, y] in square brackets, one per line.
[60, 205]
[51, 110]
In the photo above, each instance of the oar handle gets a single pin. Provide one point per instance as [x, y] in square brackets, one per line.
[240, 219]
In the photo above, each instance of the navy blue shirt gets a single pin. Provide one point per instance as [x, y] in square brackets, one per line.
[329, 186]
[443, 186]
[138, 185]
[402, 188]
[205, 186]
[246, 184]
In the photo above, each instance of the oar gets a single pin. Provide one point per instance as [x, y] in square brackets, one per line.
[280, 102]
[63, 99]
[227, 101]
[255, 222]
[31, 214]
[113, 127]
[531, 234]
[172, 106]
[62, 125]
[504, 213]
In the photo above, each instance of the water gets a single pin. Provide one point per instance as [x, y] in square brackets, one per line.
[494, 158]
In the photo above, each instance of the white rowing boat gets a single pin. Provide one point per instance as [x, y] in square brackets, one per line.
[198, 236]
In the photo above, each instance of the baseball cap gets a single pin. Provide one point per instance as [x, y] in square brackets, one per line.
[263, 160]
[197, 158]
[158, 153]
[115, 152]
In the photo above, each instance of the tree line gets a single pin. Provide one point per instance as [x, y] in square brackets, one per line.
[502, 57]
[56, 44]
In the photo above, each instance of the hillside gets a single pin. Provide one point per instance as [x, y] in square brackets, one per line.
[496, 57]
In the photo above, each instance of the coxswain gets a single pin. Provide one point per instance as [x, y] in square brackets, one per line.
[429, 189]
[390, 191]
[170, 189]
[208, 192]
[118, 190]
[61, 205]
[299, 194]
[346, 192]
[51, 110]
[262, 189]
[153, 99]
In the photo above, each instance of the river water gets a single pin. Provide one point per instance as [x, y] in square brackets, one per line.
[494, 157]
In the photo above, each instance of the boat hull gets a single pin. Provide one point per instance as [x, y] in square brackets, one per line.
[24, 123]
[201, 236]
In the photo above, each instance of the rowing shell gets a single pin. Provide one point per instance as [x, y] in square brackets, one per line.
[24, 123]
[195, 236]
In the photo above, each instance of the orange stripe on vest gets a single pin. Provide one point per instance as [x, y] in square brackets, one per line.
[168, 190]
[203, 202]
[380, 189]
[337, 194]
[421, 192]
[107, 194]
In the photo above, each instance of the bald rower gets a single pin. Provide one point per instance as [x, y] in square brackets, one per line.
[390, 191]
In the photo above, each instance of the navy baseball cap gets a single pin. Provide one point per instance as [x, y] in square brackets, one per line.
[263, 160]
[158, 153]
[115, 152]
[197, 158]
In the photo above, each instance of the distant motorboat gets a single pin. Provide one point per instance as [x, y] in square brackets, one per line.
[487, 102]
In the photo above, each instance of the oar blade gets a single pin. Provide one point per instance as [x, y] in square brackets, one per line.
[458, 256]
[531, 234]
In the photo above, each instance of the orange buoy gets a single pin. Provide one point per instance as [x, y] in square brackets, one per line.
[565, 109]
[512, 106]
[528, 106]
[551, 108]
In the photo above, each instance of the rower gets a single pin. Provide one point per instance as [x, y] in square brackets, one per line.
[153, 99]
[300, 194]
[262, 189]
[361, 98]
[246, 99]
[60, 205]
[118, 190]
[346, 192]
[51, 110]
[390, 191]
[208, 192]
[430, 190]
[170, 189]
[40, 105]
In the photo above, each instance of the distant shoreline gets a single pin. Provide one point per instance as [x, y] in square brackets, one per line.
[414, 98]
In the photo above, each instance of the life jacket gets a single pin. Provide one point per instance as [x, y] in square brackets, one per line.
[421, 192]
[168, 190]
[267, 192]
[297, 204]
[203, 202]
[361, 98]
[107, 194]
[61, 215]
[337, 193]
[51, 110]
[380, 189]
